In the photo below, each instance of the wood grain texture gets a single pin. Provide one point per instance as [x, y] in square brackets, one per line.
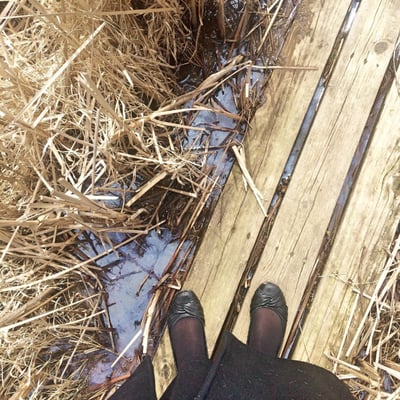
[361, 246]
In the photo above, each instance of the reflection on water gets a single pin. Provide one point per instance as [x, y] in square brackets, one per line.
[126, 299]
[132, 271]
[128, 283]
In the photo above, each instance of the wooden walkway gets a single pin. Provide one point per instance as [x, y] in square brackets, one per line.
[352, 52]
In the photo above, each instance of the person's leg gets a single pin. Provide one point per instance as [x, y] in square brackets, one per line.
[186, 330]
[268, 317]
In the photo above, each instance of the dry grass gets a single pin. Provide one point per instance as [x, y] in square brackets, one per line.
[88, 128]
[93, 133]
[374, 372]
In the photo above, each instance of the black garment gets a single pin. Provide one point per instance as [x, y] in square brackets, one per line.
[239, 373]
[245, 374]
[140, 386]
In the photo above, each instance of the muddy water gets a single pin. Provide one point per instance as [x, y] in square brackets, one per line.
[131, 273]
[134, 270]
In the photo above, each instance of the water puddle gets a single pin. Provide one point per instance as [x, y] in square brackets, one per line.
[130, 273]
[128, 278]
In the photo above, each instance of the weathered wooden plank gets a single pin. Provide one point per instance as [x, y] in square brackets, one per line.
[362, 243]
[293, 246]
[237, 218]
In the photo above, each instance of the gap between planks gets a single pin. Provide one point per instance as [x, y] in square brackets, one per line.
[218, 265]
[292, 249]
[361, 246]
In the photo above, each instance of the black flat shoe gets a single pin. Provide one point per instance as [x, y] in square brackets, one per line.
[268, 295]
[185, 304]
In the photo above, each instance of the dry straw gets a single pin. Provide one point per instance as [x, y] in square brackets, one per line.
[93, 126]
[372, 338]
[79, 146]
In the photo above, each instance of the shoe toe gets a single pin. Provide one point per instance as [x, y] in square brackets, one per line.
[185, 304]
[269, 295]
